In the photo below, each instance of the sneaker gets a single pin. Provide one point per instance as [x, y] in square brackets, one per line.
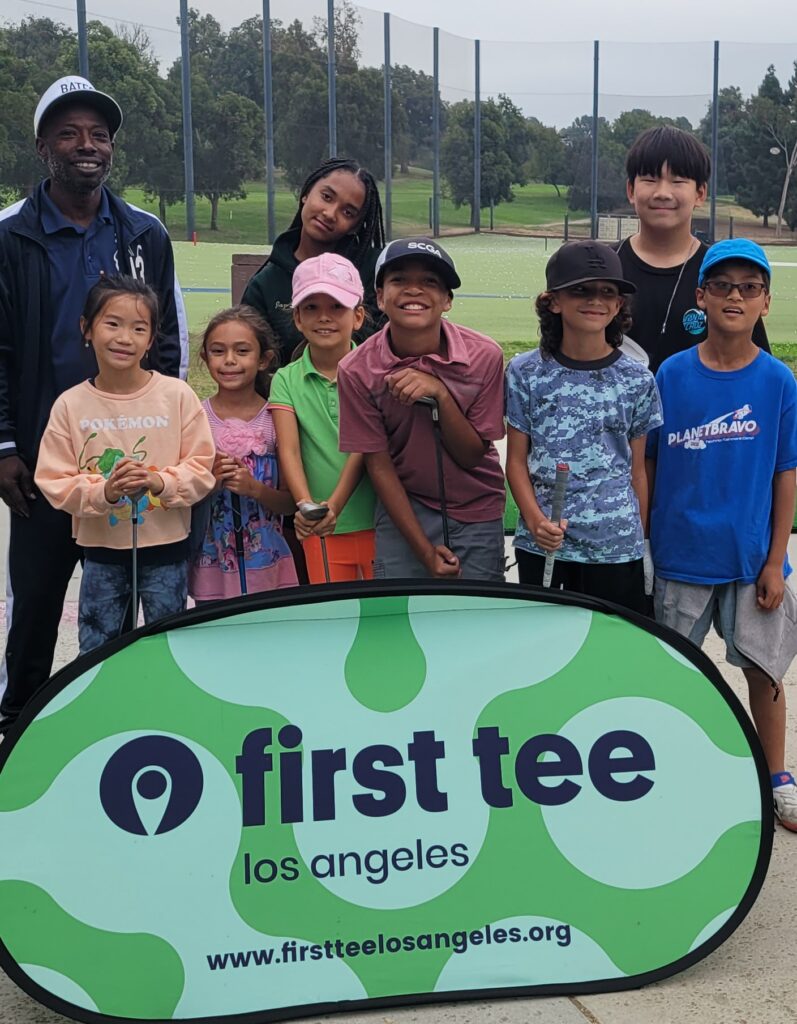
[785, 798]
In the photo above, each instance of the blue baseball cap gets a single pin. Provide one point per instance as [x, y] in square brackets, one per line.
[733, 249]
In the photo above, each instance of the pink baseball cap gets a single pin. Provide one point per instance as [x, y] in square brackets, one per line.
[328, 274]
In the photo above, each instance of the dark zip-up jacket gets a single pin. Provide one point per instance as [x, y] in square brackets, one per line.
[27, 386]
[269, 291]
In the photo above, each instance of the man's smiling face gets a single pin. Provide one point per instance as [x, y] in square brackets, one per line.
[76, 145]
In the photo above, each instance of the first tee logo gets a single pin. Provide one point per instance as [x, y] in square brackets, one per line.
[151, 785]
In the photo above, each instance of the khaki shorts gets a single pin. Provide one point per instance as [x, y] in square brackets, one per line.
[479, 546]
[753, 638]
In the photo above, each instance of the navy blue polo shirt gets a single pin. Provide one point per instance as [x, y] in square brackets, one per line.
[77, 255]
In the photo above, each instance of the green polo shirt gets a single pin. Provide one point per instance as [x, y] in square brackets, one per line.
[314, 401]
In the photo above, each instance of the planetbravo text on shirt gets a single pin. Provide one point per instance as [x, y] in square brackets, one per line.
[731, 426]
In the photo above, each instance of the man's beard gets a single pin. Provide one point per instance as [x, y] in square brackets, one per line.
[70, 179]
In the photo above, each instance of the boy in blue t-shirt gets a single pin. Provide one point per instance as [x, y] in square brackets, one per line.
[724, 463]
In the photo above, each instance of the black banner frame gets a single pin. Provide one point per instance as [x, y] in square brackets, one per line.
[326, 593]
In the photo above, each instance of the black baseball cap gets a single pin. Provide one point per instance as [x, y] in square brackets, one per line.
[419, 249]
[577, 262]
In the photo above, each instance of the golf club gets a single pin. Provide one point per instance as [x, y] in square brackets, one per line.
[557, 508]
[237, 526]
[134, 501]
[431, 403]
[315, 513]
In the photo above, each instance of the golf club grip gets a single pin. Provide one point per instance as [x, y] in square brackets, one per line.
[557, 508]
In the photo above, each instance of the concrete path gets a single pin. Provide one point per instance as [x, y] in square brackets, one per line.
[751, 979]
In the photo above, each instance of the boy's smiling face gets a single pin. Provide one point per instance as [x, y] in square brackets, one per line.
[588, 307]
[665, 201]
[733, 312]
[413, 295]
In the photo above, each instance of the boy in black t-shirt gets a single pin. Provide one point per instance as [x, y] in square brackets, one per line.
[668, 171]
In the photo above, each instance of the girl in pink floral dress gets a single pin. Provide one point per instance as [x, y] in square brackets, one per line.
[240, 352]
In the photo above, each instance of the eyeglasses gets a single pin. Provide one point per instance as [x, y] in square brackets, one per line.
[722, 289]
[582, 291]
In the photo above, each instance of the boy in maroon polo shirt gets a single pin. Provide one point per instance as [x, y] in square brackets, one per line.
[420, 355]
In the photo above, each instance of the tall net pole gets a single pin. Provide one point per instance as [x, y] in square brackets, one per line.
[388, 134]
[593, 215]
[82, 40]
[715, 125]
[188, 129]
[477, 139]
[436, 133]
[331, 73]
[268, 103]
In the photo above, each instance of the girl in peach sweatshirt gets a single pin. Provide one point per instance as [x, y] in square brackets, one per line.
[128, 435]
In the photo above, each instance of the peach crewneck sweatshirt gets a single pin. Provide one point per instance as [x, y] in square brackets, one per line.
[163, 425]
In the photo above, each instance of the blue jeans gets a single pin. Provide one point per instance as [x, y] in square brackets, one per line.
[105, 596]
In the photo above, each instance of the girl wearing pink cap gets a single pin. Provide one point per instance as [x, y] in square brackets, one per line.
[328, 310]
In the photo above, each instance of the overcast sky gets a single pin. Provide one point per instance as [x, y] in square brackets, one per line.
[655, 56]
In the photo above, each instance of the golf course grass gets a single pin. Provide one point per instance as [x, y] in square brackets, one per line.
[500, 275]
[245, 220]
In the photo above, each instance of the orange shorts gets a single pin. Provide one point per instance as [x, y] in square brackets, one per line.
[350, 557]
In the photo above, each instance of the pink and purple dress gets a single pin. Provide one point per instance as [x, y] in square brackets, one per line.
[268, 560]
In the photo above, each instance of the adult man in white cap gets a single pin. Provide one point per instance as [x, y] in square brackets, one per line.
[54, 246]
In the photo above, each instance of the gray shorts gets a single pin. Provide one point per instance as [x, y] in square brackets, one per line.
[478, 546]
[753, 638]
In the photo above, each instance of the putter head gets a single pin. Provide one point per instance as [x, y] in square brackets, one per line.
[310, 510]
[432, 406]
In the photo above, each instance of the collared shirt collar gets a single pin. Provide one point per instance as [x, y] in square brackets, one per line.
[53, 220]
[455, 347]
[308, 370]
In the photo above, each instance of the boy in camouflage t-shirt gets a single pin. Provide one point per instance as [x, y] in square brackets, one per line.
[579, 400]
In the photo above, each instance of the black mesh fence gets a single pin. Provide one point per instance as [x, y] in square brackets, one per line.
[521, 160]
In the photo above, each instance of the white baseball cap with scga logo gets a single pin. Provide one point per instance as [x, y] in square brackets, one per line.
[77, 90]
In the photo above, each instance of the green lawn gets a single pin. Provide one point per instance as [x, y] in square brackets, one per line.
[500, 275]
[244, 221]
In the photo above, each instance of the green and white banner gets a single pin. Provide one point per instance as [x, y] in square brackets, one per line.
[365, 795]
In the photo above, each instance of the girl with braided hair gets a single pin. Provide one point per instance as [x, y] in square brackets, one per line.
[339, 212]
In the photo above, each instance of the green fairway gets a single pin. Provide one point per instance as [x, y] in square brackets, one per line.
[500, 275]
[244, 221]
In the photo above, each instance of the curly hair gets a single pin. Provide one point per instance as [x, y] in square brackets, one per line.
[551, 325]
[371, 232]
[261, 329]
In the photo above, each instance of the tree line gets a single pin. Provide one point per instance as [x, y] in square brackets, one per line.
[757, 134]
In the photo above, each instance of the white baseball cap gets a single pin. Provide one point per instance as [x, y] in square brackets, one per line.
[74, 89]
